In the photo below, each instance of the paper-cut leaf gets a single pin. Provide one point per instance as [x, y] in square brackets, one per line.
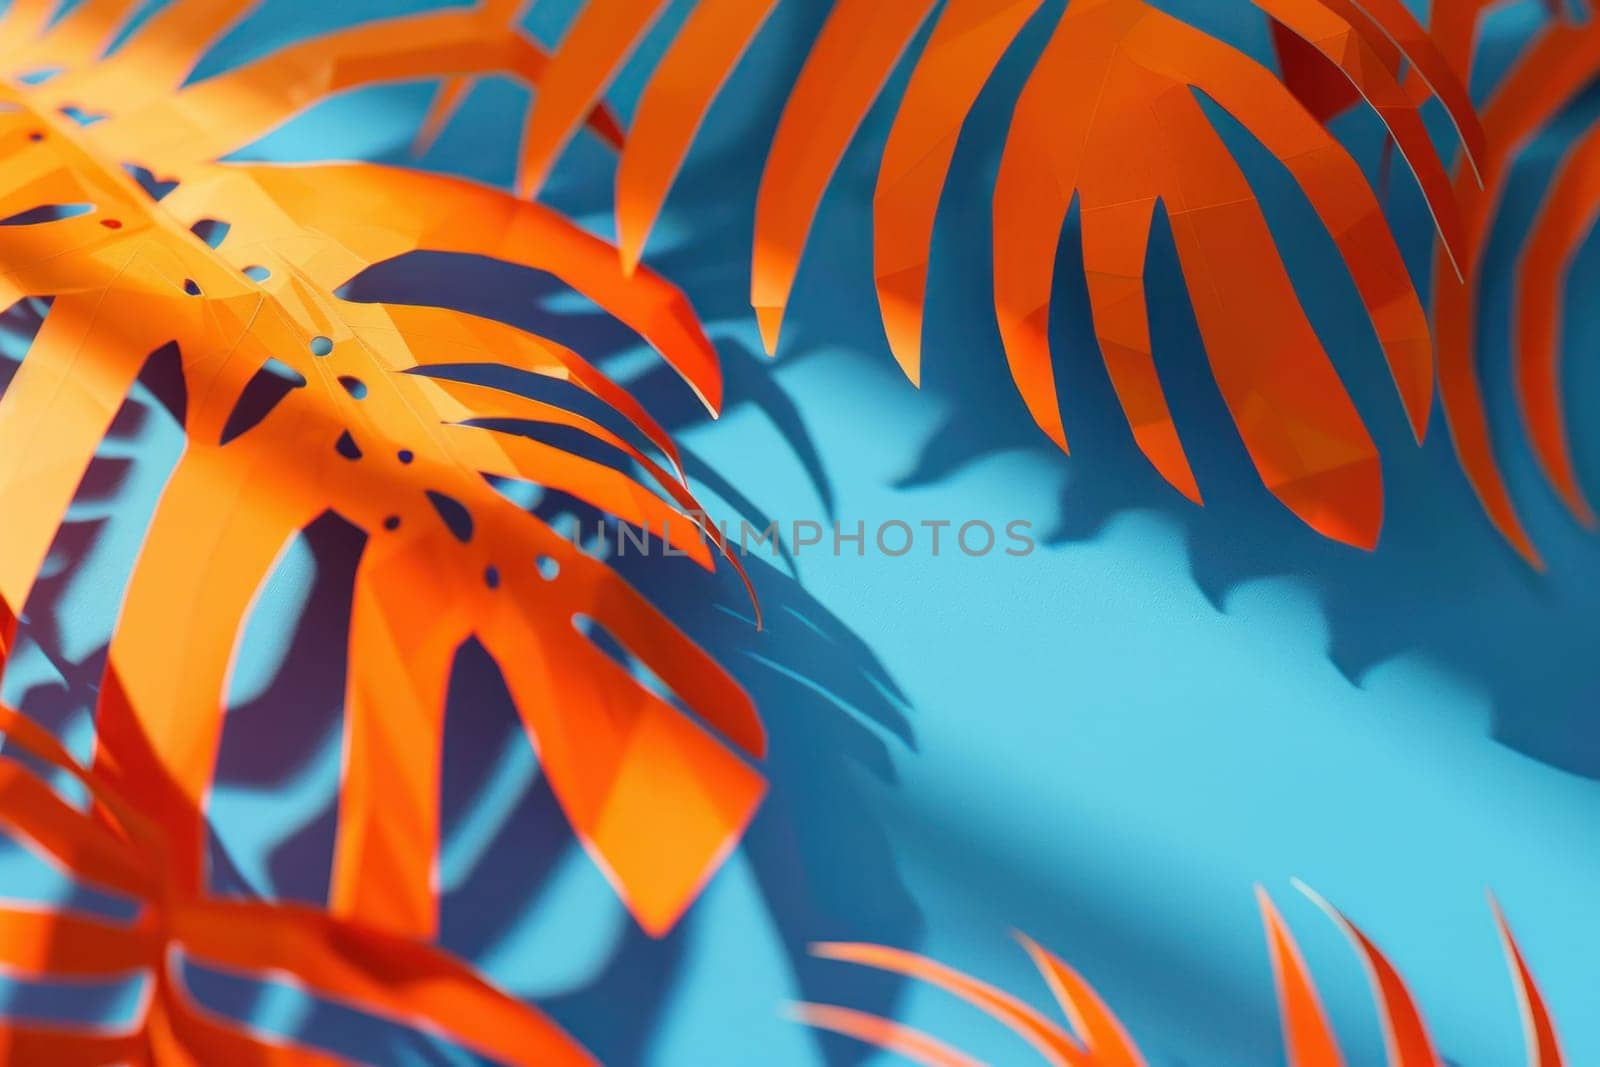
[1101, 1041]
[1405, 1037]
[883, 1033]
[669, 113]
[353, 963]
[380, 430]
[1315, 81]
[1551, 73]
[1104, 1039]
[1108, 117]
[1306, 1034]
[1538, 1029]
[1052, 1042]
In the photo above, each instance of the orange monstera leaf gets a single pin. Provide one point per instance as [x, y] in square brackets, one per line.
[1108, 117]
[115, 848]
[1549, 76]
[1097, 1038]
[377, 420]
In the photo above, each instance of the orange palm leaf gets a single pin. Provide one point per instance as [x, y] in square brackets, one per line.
[349, 961]
[235, 108]
[1101, 1040]
[1405, 1036]
[376, 431]
[1108, 117]
[1553, 71]
[1538, 1029]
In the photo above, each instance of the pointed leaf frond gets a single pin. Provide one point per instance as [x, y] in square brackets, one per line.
[1539, 1030]
[375, 429]
[1405, 1036]
[1102, 1041]
[1107, 1042]
[1306, 1034]
[1109, 119]
[882, 1033]
[670, 111]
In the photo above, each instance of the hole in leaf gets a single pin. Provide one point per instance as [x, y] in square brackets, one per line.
[392, 522]
[321, 346]
[454, 515]
[406, 456]
[491, 577]
[35, 136]
[548, 568]
[347, 446]
[47, 213]
[80, 116]
[274, 381]
[155, 187]
[191, 287]
[257, 274]
[354, 386]
[211, 231]
[39, 76]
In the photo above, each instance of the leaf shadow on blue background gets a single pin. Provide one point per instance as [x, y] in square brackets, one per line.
[1431, 586]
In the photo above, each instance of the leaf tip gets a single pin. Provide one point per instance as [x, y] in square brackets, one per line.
[769, 320]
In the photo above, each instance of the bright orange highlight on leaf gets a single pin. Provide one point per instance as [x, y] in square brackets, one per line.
[884, 1033]
[1404, 1034]
[372, 433]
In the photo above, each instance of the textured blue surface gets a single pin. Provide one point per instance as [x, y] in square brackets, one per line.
[1104, 744]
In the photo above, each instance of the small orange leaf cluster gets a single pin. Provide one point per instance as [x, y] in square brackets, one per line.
[1109, 118]
[1098, 1039]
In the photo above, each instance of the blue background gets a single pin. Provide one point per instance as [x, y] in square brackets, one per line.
[1104, 744]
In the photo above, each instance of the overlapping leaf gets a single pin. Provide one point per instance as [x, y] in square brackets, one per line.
[1097, 1039]
[1549, 76]
[117, 850]
[1109, 116]
[373, 425]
